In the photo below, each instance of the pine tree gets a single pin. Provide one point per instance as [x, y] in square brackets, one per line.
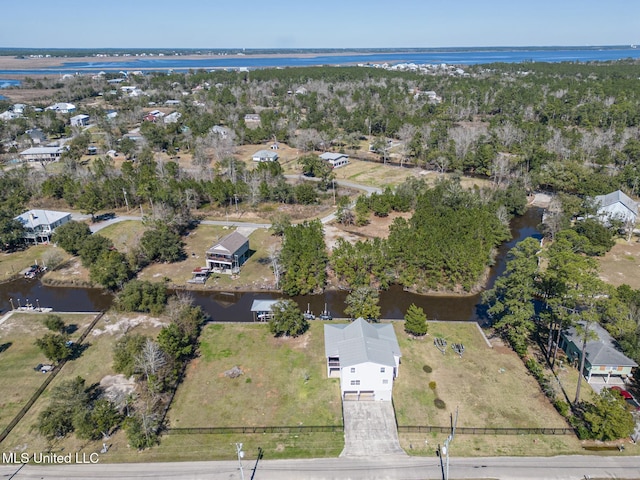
[415, 321]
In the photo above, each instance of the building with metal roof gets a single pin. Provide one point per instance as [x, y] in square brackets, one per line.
[603, 357]
[39, 225]
[616, 206]
[365, 356]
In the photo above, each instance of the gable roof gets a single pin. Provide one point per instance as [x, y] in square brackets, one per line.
[604, 201]
[35, 218]
[603, 350]
[361, 342]
[229, 244]
[333, 156]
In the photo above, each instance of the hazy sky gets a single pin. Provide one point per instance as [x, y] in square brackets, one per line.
[317, 24]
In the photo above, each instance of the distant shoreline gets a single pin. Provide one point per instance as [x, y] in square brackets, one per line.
[13, 63]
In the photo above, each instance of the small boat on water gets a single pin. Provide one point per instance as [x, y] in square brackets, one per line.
[308, 314]
[326, 314]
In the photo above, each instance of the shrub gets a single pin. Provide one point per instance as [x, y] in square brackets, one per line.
[432, 385]
[427, 369]
[562, 407]
[439, 404]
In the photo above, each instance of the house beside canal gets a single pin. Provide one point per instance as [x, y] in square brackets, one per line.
[603, 357]
[39, 225]
[228, 254]
[365, 356]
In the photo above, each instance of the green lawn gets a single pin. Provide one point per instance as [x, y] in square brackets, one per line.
[19, 355]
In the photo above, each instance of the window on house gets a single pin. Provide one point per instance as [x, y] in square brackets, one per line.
[353, 369]
[355, 382]
[385, 381]
[381, 369]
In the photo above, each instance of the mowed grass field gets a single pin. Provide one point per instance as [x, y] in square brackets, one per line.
[284, 383]
[490, 387]
[621, 264]
[19, 356]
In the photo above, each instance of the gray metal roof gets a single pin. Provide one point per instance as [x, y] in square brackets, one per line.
[229, 244]
[333, 156]
[603, 350]
[35, 218]
[612, 198]
[361, 342]
[263, 305]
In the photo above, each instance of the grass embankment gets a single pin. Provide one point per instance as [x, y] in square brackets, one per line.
[490, 386]
[11, 264]
[19, 356]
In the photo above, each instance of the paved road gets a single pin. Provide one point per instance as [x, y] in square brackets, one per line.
[351, 468]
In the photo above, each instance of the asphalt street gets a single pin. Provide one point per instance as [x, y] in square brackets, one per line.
[345, 468]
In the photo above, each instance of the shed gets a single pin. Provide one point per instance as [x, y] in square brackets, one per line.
[262, 309]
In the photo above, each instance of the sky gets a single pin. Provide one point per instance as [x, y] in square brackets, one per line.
[317, 24]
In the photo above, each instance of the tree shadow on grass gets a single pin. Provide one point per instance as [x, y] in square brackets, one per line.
[5, 346]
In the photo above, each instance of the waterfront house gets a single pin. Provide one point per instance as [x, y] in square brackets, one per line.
[365, 356]
[336, 160]
[616, 206]
[265, 156]
[39, 225]
[603, 357]
[228, 254]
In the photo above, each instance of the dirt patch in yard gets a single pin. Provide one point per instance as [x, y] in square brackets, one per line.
[622, 264]
[378, 227]
[119, 324]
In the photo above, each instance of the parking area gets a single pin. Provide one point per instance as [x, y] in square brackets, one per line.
[370, 429]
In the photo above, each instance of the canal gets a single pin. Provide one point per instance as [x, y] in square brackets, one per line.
[235, 306]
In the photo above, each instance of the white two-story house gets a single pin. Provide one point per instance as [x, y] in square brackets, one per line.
[365, 356]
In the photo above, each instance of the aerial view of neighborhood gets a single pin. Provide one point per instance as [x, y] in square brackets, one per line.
[327, 263]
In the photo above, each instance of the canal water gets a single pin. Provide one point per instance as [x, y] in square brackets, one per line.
[235, 306]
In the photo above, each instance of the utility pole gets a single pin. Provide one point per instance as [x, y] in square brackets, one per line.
[240, 457]
[444, 451]
[125, 199]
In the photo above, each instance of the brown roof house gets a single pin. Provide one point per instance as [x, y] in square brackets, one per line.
[229, 254]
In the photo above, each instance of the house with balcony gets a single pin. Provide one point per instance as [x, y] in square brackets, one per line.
[39, 225]
[228, 254]
[603, 357]
[365, 356]
[42, 154]
[336, 160]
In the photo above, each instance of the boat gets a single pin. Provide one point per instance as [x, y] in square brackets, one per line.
[308, 315]
[326, 314]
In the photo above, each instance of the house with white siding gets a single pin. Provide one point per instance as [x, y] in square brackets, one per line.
[265, 156]
[365, 356]
[228, 254]
[39, 225]
[336, 160]
[616, 206]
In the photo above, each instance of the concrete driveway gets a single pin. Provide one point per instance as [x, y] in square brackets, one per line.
[370, 429]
